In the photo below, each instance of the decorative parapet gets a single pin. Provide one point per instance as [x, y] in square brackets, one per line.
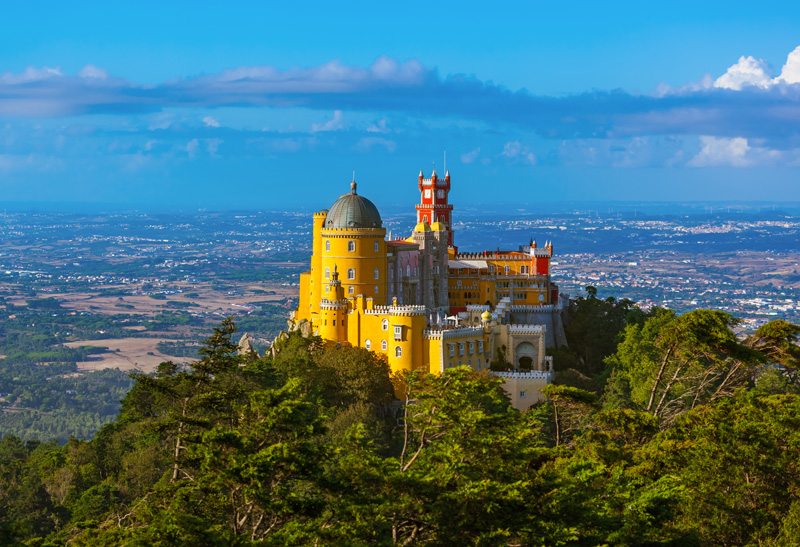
[326, 304]
[544, 308]
[517, 375]
[477, 307]
[397, 310]
[526, 329]
[448, 334]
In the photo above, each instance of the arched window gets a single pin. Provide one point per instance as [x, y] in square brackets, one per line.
[507, 269]
[377, 273]
[328, 245]
[398, 351]
[367, 344]
[351, 290]
[383, 345]
[377, 247]
[385, 324]
[351, 246]
[351, 273]
[408, 271]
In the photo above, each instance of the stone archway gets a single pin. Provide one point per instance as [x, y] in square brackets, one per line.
[525, 355]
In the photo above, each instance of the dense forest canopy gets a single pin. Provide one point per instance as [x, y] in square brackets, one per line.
[659, 430]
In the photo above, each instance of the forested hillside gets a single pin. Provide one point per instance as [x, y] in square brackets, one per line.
[660, 430]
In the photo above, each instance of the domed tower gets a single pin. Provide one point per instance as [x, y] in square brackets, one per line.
[352, 242]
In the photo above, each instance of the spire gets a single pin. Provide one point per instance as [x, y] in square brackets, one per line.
[353, 185]
[420, 174]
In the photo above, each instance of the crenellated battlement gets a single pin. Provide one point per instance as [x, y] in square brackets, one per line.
[526, 329]
[396, 310]
[518, 375]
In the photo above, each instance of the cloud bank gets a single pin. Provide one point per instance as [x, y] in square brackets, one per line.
[745, 102]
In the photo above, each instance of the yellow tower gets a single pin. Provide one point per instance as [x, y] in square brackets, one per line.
[352, 241]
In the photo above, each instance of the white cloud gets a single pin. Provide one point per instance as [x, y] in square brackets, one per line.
[334, 124]
[210, 122]
[791, 70]
[91, 71]
[379, 127]
[515, 150]
[720, 151]
[367, 143]
[469, 157]
[749, 71]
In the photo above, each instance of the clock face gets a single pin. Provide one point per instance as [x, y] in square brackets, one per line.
[440, 193]
[427, 194]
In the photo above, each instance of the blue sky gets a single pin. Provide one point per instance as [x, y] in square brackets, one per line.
[191, 105]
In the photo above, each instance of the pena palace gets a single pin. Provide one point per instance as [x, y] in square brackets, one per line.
[424, 303]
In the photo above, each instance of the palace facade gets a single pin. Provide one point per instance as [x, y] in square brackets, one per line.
[424, 304]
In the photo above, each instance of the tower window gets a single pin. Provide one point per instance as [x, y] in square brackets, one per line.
[367, 344]
[377, 273]
[351, 246]
[398, 351]
[377, 247]
[398, 332]
[385, 324]
[327, 273]
[384, 345]
[328, 245]
[351, 290]
[351, 273]
[376, 289]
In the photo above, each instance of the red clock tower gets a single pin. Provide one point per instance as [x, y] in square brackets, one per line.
[433, 206]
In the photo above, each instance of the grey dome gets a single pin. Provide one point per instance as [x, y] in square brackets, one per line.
[353, 211]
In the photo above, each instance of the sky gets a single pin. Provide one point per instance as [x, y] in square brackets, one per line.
[262, 105]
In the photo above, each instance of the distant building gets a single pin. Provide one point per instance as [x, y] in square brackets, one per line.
[425, 305]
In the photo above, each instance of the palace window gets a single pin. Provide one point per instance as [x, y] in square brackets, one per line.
[384, 345]
[377, 273]
[458, 282]
[480, 346]
[491, 268]
[328, 245]
[367, 344]
[461, 349]
[471, 348]
[376, 289]
[351, 246]
[398, 351]
[408, 271]
[327, 273]
[385, 324]
[522, 394]
[377, 247]
[351, 273]
[398, 332]
[452, 350]
[351, 290]
[507, 269]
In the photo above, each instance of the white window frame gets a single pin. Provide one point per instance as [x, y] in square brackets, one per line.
[377, 273]
[521, 394]
[377, 247]
[351, 246]
[351, 290]
[367, 344]
[384, 345]
[385, 324]
[327, 273]
[327, 245]
[351, 273]
[507, 270]
[398, 332]
[398, 351]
